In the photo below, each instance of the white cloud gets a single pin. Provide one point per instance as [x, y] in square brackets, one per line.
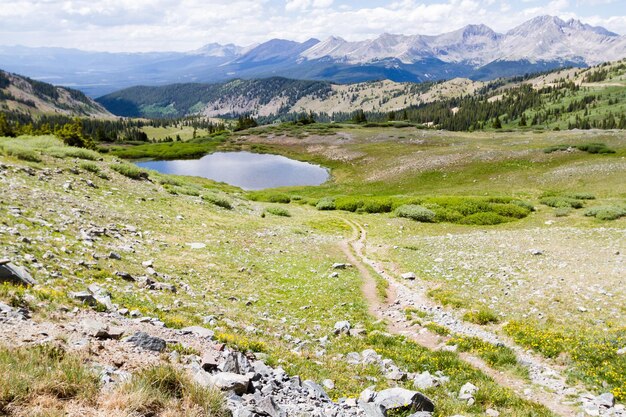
[144, 25]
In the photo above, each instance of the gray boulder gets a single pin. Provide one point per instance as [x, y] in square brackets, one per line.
[315, 389]
[145, 341]
[84, 297]
[14, 274]
[228, 381]
[342, 327]
[409, 275]
[396, 400]
[199, 331]
[268, 407]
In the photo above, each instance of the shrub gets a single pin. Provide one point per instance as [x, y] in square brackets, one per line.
[562, 211]
[376, 205]
[606, 212]
[561, 202]
[417, 213]
[23, 154]
[218, 201]
[581, 196]
[524, 204]
[510, 210]
[326, 203]
[348, 203]
[73, 152]
[484, 219]
[482, 316]
[595, 148]
[90, 167]
[130, 171]
[443, 214]
[269, 197]
[277, 211]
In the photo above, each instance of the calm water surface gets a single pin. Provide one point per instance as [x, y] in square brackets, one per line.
[250, 171]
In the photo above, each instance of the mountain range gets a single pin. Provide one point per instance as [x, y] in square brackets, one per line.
[475, 51]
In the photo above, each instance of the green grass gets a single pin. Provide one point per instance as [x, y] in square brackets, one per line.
[218, 200]
[593, 354]
[278, 211]
[130, 171]
[44, 370]
[166, 390]
[168, 151]
[606, 212]
[482, 316]
[497, 356]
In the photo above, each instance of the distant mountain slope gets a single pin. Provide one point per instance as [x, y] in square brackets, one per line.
[277, 96]
[474, 51]
[233, 97]
[23, 95]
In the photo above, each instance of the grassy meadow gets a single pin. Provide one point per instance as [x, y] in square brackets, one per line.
[263, 278]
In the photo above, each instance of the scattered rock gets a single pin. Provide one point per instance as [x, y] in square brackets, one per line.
[340, 265]
[342, 327]
[125, 276]
[467, 391]
[424, 381]
[199, 331]
[409, 275]
[228, 381]
[116, 256]
[145, 341]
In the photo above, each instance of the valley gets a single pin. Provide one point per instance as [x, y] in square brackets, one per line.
[497, 306]
[384, 225]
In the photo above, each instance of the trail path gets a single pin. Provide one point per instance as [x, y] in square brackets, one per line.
[546, 386]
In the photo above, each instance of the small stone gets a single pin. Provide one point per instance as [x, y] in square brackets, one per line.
[492, 413]
[409, 275]
[536, 252]
[125, 276]
[467, 391]
[147, 264]
[424, 381]
[342, 327]
[340, 265]
[114, 255]
[147, 342]
[328, 384]
[621, 351]
[606, 399]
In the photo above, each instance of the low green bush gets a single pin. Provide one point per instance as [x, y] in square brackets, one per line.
[218, 201]
[562, 211]
[326, 203]
[443, 214]
[484, 219]
[417, 213]
[510, 210]
[581, 196]
[73, 152]
[606, 212]
[130, 171]
[557, 201]
[482, 316]
[269, 197]
[593, 147]
[22, 154]
[89, 167]
[278, 211]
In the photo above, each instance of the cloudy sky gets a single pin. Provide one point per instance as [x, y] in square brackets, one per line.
[180, 25]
